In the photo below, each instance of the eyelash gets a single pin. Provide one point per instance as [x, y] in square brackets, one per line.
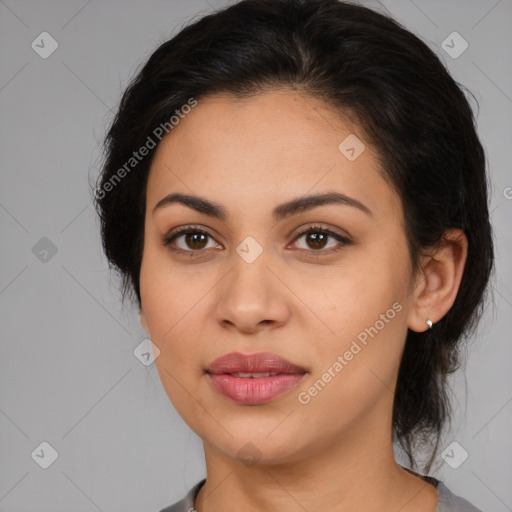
[312, 229]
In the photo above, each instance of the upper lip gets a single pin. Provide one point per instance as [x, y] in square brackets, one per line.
[235, 362]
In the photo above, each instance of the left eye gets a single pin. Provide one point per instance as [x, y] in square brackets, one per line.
[316, 238]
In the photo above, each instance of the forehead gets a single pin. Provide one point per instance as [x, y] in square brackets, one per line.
[277, 124]
[275, 144]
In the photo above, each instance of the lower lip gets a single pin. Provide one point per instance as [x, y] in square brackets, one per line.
[253, 391]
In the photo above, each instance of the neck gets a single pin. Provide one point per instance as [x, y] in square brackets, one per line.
[356, 472]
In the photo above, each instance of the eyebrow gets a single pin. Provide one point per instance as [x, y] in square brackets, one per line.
[292, 207]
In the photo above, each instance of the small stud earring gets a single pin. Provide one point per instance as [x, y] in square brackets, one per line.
[429, 323]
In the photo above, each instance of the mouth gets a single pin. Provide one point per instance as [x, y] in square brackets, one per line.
[253, 379]
[254, 375]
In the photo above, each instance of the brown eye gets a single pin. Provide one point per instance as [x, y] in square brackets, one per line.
[195, 240]
[316, 239]
[189, 240]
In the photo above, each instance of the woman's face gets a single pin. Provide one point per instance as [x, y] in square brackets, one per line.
[334, 304]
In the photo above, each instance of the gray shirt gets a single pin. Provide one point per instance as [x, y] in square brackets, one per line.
[447, 501]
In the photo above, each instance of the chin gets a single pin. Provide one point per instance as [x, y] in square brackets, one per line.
[262, 449]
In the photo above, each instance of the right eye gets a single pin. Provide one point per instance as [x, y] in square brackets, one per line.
[190, 240]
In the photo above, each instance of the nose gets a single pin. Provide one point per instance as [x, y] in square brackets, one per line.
[252, 298]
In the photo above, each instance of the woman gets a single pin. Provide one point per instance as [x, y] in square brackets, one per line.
[296, 195]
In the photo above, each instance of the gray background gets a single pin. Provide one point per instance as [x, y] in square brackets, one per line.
[68, 375]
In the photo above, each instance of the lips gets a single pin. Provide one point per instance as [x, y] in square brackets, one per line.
[256, 363]
[253, 379]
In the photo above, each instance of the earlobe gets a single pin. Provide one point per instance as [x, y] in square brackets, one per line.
[438, 284]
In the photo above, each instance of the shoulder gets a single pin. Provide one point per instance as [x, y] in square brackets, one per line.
[450, 502]
[187, 503]
[447, 501]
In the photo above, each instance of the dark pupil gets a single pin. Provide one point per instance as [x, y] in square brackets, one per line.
[317, 239]
[196, 238]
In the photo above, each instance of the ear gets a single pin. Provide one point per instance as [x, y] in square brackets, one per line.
[143, 320]
[438, 280]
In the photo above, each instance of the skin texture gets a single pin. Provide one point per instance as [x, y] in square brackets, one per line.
[300, 299]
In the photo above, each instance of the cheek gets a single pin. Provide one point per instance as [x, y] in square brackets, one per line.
[356, 368]
[364, 304]
[171, 300]
[170, 303]
[356, 295]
